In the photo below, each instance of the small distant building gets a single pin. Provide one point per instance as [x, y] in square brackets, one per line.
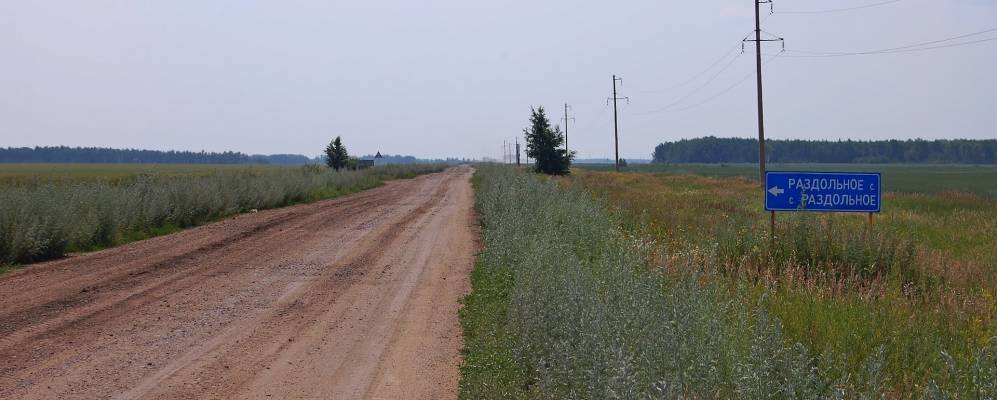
[370, 162]
[364, 163]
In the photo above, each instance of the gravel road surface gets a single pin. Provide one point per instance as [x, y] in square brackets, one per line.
[350, 298]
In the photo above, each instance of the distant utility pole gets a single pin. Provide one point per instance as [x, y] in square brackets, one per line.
[616, 127]
[526, 154]
[505, 153]
[567, 151]
[517, 152]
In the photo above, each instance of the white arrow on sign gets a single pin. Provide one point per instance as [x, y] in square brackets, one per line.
[776, 191]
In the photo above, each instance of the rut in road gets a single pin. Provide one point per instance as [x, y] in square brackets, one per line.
[355, 297]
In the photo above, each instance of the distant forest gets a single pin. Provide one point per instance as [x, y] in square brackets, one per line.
[99, 155]
[735, 150]
[94, 155]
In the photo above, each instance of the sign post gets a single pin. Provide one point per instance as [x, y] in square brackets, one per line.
[823, 192]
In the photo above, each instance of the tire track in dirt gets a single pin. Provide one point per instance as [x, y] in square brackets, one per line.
[293, 315]
[130, 277]
[217, 311]
[50, 318]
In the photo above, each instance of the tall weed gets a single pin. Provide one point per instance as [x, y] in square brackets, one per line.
[588, 316]
[45, 220]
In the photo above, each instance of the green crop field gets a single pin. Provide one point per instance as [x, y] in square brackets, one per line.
[51, 209]
[41, 173]
[667, 284]
[915, 178]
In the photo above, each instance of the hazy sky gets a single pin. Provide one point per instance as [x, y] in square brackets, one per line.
[456, 78]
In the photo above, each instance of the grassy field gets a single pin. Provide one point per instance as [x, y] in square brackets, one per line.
[640, 285]
[921, 281]
[917, 178]
[51, 209]
[114, 173]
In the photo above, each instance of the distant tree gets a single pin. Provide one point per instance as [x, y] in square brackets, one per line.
[543, 144]
[336, 156]
[623, 162]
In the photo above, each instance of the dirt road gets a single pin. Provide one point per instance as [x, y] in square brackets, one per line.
[349, 298]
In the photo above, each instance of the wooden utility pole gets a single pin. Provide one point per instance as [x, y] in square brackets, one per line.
[616, 128]
[567, 150]
[761, 110]
[517, 152]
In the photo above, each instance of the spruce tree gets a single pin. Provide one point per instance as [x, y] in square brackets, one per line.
[543, 144]
[336, 156]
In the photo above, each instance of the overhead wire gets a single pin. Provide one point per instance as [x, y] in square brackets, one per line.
[694, 77]
[706, 83]
[901, 49]
[836, 10]
[703, 72]
[731, 87]
[696, 90]
[922, 46]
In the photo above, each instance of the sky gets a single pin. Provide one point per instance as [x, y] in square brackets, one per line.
[457, 77]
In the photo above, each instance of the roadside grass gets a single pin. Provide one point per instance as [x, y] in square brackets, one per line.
[921, 282]
[48, 217]
[7, 268]
[490, 369]
[907, 178]
[571, 299]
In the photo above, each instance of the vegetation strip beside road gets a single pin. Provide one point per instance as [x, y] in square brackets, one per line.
[572, 300]
[920, 281]
[47, 217]
[911, 178]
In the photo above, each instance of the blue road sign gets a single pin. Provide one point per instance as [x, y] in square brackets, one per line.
[823, 191]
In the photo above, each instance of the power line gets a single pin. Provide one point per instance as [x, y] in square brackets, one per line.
[701, 73]
[729, 88]
[694, 77]
[694, 91]
[705, 71]
[602, 121]
[708, 69]
[835, 10]
[895, 52]
[715, 76]
[901, 49]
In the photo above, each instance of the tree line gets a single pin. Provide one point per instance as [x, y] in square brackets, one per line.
[101, 155]
[738, 150]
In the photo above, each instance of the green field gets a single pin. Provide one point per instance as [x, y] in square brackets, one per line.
[669, 285]
[914, 178]
[54, 173]
[51, 209]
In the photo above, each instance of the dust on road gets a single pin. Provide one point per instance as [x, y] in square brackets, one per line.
[349, 298]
